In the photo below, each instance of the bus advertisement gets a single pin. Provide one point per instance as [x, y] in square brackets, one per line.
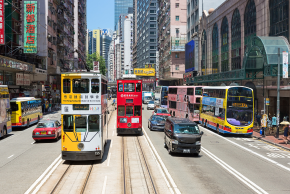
[228, 109]
[5, 113]
[129, 105]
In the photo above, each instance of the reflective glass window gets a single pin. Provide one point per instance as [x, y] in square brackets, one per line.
[236, 40]
[95, 86]
[137, 110]
[81, 85]
[215, 49]
[121, 111]
[66, 86]
[94, 123]
[225, 45]
[203, 52]
[81, 123]
[129, 87]
[129, 110]
[68, 125]
[249, 22]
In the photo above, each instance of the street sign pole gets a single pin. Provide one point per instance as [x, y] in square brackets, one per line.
[278, 95]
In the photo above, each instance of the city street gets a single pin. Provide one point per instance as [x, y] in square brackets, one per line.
[249, 165]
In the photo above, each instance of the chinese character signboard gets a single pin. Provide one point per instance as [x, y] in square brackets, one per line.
[285, 64]
[150, 66]
[96, 66]
[2, 34]
[144, 72]
[22, 79]
[30, 27]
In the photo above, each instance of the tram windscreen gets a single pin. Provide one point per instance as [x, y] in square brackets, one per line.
[240, 106]
[94, 123]
[81, 123]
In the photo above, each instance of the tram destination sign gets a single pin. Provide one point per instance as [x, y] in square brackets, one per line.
[81, 107]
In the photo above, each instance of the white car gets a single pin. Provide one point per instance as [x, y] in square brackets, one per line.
[150, 105]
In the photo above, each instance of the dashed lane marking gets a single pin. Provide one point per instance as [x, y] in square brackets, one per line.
[111, 144]
[104, 186]
[278, 155]
[113, 133]
[11, 156]
[33, 142]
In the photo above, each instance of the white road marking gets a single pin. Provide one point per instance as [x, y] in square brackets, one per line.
[111, 144]
[33, 142]
[43, 174]
[278, 155]
[104, 186]
[109, 158]
[161, 163]
[11, 156]
[247, 149]
[231, 170]
[113, 133]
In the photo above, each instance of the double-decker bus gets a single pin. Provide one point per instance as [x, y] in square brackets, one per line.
[129, 105]
[84, 115]
[228, 109]
[162, 94]
[5, 111]
[184, 101]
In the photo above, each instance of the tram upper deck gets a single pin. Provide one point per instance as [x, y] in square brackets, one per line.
[83, 88]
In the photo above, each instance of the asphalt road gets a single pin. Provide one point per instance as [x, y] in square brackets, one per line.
[226, 164]
[22, 161]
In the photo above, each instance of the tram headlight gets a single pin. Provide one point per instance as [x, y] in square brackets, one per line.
[81, 146]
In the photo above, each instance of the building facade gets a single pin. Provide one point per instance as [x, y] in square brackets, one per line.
[239, 46]
[172, 39]
[147, 33]
[128, 43]
[106, 41]
[92, 43]
[122, 7]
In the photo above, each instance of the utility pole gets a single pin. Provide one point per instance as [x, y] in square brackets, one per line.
[278, 95]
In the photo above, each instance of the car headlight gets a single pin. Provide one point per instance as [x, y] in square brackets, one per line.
[197, 143]
[173, 141]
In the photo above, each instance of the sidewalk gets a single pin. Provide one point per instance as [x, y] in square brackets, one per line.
[272, 140]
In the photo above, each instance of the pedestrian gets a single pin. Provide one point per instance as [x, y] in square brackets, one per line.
[286, 131]
[49, 106]
[274, 123]
[269, 124]
[258, 119]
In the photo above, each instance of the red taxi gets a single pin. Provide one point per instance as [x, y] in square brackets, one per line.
[161, 112]
[47, 129]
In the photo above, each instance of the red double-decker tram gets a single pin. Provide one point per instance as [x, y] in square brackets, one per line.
[129, 105]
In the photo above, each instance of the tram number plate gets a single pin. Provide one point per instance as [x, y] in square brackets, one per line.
[43, 132]
[186, 150]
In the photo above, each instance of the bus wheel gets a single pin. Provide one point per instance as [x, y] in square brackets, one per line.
[218, 130]
[4, 131]
[28, 123]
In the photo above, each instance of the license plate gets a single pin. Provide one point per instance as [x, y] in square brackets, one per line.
[43, 132]
[186, 150]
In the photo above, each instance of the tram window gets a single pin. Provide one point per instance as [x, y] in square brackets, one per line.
[120, 87]
[68, 125]
[81, 124]
[129, 87]
[121, 111]
[137, 110]
[66, 86]
[95, 86]
[129, 110]
[81, 85]
[189, 91]
[94, 123]
[138, 87]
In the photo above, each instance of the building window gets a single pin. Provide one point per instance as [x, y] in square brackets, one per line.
[152, 47]
[177, 18]
[225, 45]
[176, 5]
[250, 22]
[176, 67]
[236, 40]
[215, 49]
[152, 40]
[176, 55]
[177, 32]
[279, 18]
[203, 51]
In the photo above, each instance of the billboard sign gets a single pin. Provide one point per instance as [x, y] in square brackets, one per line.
[144, 72]
[104, 32]
[2, 24]
[96, 67]
[189, 56]
[149, 65]
[285, 64]
[30, 26]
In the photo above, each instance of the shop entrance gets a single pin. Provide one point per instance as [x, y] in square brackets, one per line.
[284, 107]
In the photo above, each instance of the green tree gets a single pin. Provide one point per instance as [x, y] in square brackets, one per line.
[96, 57]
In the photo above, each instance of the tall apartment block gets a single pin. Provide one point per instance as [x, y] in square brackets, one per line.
[128, 43]
[80, 26]
[122, 6]
[106, 41]
[92, 43]
[172, 39]
[146, 34]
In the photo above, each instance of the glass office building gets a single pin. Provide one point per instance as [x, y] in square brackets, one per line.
[122, 6]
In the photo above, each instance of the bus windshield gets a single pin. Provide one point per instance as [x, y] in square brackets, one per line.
[186, 129]
[240, 106]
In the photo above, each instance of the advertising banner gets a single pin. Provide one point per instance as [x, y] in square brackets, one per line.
[96, 66]
[285, 64]
[22, 79]
[30, 26]
[144, 72]
[149, 65]
[2, 24]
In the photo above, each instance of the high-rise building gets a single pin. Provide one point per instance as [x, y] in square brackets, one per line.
[106, 41]
[172, 39]
[128, 43]
[111, 59]
[97, 34]
[80, 26]
[91, 46]
[122, 6]
[146, 33]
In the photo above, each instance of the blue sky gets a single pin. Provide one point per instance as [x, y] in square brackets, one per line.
[100, 14]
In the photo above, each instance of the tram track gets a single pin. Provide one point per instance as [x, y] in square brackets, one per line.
[128, 185]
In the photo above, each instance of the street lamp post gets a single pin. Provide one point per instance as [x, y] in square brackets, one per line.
[278, 95]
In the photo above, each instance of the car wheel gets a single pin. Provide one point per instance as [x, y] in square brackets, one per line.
[218, 130]
[28, 123]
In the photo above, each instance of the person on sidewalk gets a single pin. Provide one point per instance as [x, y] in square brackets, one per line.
[49, 106]
[286, 132]
[274, 123]
[258, 119]
[269, 124]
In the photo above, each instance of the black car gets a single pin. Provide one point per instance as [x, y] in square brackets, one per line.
[182, 136]
[157, 122]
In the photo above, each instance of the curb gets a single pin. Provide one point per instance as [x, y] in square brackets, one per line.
[278, 145]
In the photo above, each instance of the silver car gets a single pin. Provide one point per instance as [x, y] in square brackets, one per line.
[150, 105]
